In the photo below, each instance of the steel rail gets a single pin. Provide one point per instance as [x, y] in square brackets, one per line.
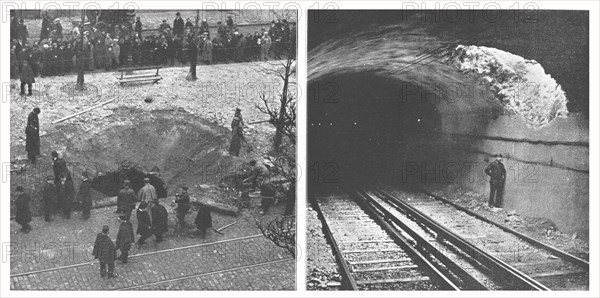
[470, 282]
[202, 274]
[564, 255]
[348, 282]
[443, 281]
[498, 268]
[91, 262]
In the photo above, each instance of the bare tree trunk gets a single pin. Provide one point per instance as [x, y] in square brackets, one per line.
[80, 55]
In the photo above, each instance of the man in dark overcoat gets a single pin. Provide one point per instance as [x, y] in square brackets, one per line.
[203, 220]
[497, 173]
[59, 165]
[105, 252]
[66, 193]
[144, 228]
[160, 220]
[32, 134]
[50, 197]
[84, 196]
[124, 238]
[126, 200]
[23, 213]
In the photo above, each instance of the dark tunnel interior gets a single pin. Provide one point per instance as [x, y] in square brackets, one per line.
[363, 127]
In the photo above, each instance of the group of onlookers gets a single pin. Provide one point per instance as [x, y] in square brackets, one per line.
[108, 46]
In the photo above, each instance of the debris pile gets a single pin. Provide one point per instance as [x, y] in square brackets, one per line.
[521, 85]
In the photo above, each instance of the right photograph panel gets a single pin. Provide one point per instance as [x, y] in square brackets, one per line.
[448, 150]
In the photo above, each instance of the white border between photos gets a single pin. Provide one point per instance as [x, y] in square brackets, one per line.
[594, 16]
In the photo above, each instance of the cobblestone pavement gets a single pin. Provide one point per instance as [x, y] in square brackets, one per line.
[57, 256]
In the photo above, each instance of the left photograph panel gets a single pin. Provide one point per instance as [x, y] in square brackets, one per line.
[153, 149]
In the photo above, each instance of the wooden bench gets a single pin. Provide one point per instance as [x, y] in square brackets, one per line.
[127, 75]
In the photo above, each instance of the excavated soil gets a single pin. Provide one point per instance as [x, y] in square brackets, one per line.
[174, 147]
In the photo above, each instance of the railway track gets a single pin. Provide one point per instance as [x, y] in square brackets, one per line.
[84, 276]
[372, 255]
[547, 265]
[382, 242]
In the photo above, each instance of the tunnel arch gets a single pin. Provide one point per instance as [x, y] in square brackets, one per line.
[391, 58]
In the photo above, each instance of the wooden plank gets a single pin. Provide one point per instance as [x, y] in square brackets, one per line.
[386, 268]
[139, 68]
[138, 76]
[84, 111]
[557, 273]
[371, 250]
[536, 263]
[367, 241]
[378, 261]
[152, 78]
[393, 280]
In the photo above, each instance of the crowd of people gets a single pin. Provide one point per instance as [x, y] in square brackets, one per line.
[109, 46]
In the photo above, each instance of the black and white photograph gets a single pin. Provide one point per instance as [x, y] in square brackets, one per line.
[448, 150]
[152, 149]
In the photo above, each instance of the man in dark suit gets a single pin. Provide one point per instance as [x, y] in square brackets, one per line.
[203, 220]
[126, 200]
[105, 252]
[144, 228]
[497, 173]
[178, 25]
[124, 238]
[84, 196]
[59, 165]
[66, 192]
[22, 209]
[159, 220]
[49, 196]
[32, 134]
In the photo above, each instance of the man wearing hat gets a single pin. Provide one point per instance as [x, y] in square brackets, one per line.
[59, 165]
[183, 205]
[147, 193]
[66, 193]
[22, 209]
[144, 228]
[237, 133]
[32, 135]
[124, 238]
[105, 252]
[193, 52]
[138, 26]
[178, 25]
[495, 170]
[163, 26]
[126, 200]
[84, 196]
[160, 219]
[49, 197]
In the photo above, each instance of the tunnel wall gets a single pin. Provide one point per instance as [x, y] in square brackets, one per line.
[549, 181]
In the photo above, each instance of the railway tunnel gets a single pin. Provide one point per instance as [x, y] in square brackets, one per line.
[423, 98]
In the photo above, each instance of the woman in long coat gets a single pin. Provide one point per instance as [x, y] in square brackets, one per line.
[207, 51]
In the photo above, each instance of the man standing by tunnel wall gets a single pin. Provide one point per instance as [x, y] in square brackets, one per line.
[497, 174]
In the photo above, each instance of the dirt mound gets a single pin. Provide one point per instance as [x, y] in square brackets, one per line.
[173, 146]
